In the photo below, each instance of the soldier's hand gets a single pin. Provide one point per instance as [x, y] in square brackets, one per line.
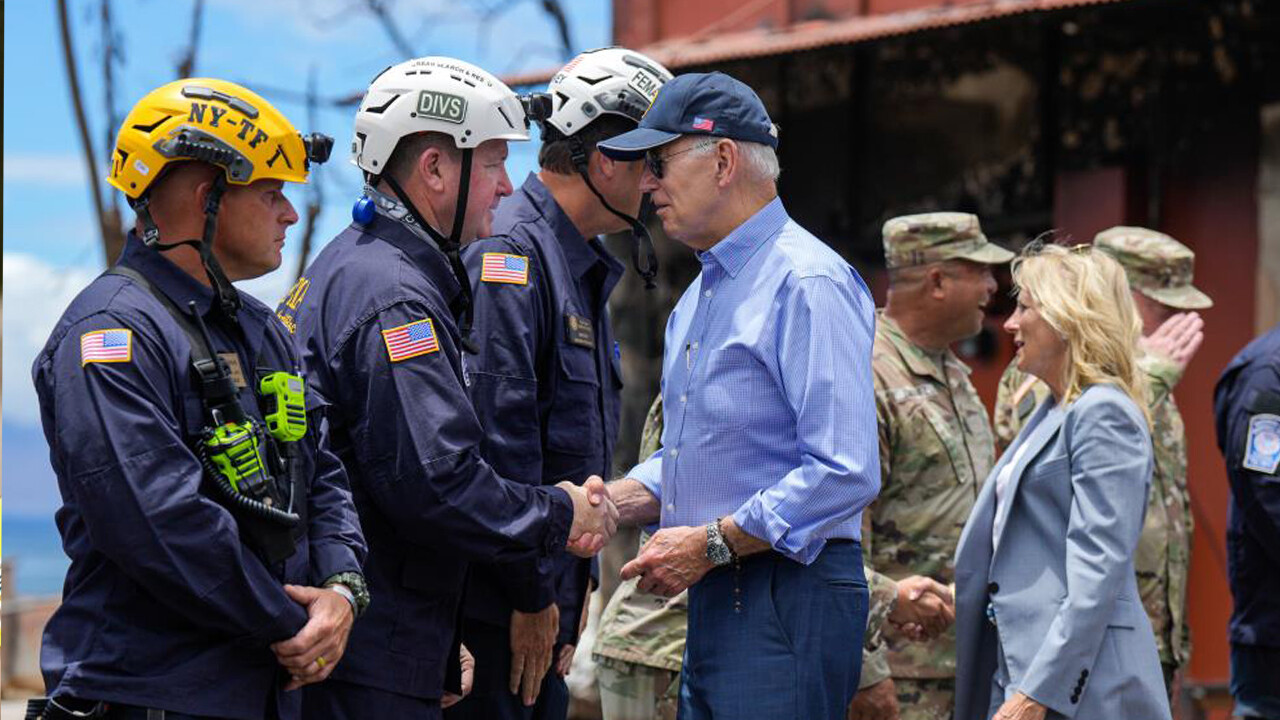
[468, 662]
[565, 662]
[925, 608]
[312, 654]
[533, 637]
[595, 517]
[672, 560]
[878, 702]
[1177, 338]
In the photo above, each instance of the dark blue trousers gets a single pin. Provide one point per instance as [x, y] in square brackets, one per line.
[1255, 681]
[776, 639]
[338, 700]
[490, 698]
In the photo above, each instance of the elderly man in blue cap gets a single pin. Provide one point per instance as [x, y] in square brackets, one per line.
[769, 452]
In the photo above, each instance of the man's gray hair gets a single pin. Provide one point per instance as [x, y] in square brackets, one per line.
[761, 160]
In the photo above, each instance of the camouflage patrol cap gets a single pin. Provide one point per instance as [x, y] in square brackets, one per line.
[1157, 265]
[911, 240]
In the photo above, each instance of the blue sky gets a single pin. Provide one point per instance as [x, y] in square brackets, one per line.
[51, 245]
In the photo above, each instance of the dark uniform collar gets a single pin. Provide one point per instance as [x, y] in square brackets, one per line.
[917, 359]
[167, 277]
[581, 253]
[182, 289]
[421, 251]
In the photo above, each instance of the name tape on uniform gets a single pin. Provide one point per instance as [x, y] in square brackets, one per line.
[104, 346]
[504, 268]
[411, 340]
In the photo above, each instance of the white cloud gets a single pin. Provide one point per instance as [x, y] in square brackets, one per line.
[45, 170]
[36, 293]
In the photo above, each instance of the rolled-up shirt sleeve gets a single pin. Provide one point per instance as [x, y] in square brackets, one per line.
[649, 473]
[823, 340]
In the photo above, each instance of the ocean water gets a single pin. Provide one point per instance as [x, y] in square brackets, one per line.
[33, 551]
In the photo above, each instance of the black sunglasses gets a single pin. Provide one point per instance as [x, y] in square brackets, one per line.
[656, 163]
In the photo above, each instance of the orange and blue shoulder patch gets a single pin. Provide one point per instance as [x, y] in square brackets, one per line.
[411, 340]
[504, 268]
[114, 345]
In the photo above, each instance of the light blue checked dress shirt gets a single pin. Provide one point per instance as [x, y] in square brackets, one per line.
[767, 394]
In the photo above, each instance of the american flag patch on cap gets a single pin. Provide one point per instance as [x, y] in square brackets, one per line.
[412, 340]
[504, 268]
[106, 346]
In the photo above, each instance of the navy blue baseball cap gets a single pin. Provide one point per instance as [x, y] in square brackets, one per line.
[696, 104]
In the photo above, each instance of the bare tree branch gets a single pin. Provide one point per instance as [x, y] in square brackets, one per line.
[555, 11]
[315, 193]
[111, 55]
[383, 15]
[108, 221]
[187, 65]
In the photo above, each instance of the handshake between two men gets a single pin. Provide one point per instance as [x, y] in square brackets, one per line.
[313, 652]
[595, 516]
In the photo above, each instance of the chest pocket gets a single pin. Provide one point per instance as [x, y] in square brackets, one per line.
[937, 434]
[731, 400]
[574, 424]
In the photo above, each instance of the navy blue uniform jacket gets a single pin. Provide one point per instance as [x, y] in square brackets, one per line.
[164, 606]
[406, 431]
[1251, 386]
[548, 397]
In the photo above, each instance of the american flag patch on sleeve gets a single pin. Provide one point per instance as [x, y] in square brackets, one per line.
[412, 340]
[504, 268]
[114, 345]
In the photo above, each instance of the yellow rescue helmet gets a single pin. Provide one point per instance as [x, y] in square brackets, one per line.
[212, 121]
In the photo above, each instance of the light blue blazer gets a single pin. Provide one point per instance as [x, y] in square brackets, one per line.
[1067, 616]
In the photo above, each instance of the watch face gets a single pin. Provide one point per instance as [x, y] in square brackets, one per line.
[717, 551]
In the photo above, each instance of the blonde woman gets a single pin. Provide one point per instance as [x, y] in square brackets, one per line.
[1048, 622]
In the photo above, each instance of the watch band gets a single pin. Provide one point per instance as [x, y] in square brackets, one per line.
[718, 550]
[354, 583]
[345, 592]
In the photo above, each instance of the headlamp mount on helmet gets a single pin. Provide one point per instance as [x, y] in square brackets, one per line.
[537, 107]
[318, 147]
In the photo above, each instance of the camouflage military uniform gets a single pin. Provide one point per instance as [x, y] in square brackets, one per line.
[1161, 268]
[936, 450]
[640, 643]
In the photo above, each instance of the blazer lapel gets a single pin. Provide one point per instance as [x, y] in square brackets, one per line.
[1045, 427]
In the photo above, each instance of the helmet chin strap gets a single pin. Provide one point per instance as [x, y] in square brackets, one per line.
[228, 296]
[450, 246]
[642, 248]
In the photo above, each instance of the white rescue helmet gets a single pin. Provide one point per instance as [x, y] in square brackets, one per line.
[434, 94]
[606, 81]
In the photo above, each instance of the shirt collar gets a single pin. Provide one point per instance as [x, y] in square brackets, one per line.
[918, 361]
[733, 252]
[181, 288]
[168, 278]
[581, 254]
[390, 207]
[394, 223]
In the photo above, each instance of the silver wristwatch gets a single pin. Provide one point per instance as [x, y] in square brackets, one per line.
[718, 551]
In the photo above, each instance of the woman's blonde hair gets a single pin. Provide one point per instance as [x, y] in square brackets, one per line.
[1084, 295]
